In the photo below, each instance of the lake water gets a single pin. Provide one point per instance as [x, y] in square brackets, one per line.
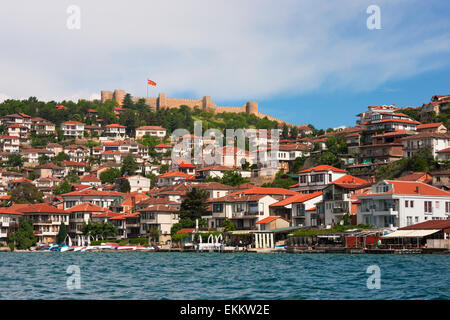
[140, 275]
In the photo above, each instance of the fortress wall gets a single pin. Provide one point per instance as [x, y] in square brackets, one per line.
[204, 103]
[230, 109]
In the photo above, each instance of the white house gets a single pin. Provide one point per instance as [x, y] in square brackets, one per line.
[72, 129]
[115, 130]
[317, 178]
[397, 204]
[430, 140]
[153, 131]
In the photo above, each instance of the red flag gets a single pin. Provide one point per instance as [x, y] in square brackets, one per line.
[150, 82]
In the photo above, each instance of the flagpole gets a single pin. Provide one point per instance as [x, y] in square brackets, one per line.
[147, 88]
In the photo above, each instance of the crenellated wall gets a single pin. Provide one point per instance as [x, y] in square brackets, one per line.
[204, 103]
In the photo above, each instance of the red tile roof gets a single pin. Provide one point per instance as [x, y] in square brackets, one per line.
[268, 219]
[266, 191]
[86, 207]
[298, 198]
[429, 125]
[42, 208]
[430, 224]
[322, 168]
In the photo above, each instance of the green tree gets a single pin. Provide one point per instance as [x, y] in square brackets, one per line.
[15, 160]
[62, 233]
[26, 192]
[102, 230]
[63, 187]
[228, 225]
[233, 178]
[24, 237]
[110, 175]
[194, 206]
[129, 166]
[61, 157]
[124, 185]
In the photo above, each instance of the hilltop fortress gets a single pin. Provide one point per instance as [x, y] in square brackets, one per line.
[204, 103]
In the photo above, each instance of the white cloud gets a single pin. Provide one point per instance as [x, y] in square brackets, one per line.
[226, 49]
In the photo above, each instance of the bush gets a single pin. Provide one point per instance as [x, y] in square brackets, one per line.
[11, 246]
[140, 241]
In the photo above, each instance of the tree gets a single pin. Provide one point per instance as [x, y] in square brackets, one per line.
[294, 132]
[63, 187]
[129, 166]
[61, 157]
[285, 132]
[110, 175]
[24, 237]
[154, 234]
[233, 178]
[194, 206]
[62, 234]
[15, 160]
[103, 229]
[73, 177]
[124, 185]
[228, 225]
[26, 192]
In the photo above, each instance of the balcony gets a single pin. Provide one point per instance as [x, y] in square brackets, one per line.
[380, 211]
[247, 214]
[219, 214]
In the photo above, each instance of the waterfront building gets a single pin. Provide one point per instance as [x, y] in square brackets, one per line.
[104, 199]
[46, 220]
[159, 216]
[81, 214]
[397, 204]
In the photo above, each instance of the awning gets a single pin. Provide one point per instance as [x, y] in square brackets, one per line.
[410, 233]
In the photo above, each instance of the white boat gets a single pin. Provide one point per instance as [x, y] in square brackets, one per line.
[126, 248]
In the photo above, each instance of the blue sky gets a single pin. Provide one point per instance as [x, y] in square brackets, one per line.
[303, 62]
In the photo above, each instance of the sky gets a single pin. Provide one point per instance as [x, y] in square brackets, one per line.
[303, 61]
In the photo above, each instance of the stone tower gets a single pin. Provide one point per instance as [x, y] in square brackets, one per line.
[106, 95]
[119, 95]
[251, 107]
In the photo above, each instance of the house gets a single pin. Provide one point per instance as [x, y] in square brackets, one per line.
[73, 129]
[55, 148]
[114, 156]
[19, 130]
[77, 153]
[215, 189]
[17, 118]
[163, 148]
[438, 127]
[46, 220]
[397, 204]
[432, 141]
[10, 144]
[159, 216]
[42, 126]
[353, 142]
[339, 199]
[46, 184]
[104, 199]
[272, 223]
[138, 183]
[187, 168]
[214, 171]
[244, 210]
[91, 180]
[31, 156]
[385, 147]
[294, 209]
[173, 177]
[115, 131]
[440, 179]
[81, 214]
[78, 167]
[317, 178]
[304, 130]
[152, 131]
[416, 176]
[9, 221]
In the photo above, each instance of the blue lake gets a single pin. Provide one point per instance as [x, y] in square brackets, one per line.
[140, 275]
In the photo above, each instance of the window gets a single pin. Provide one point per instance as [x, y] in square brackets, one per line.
[408, 221]
[416, 220]
[218, 207]
[406, 203]
[428, 207]
[437, 204]
[411, 204]
[447, 207]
